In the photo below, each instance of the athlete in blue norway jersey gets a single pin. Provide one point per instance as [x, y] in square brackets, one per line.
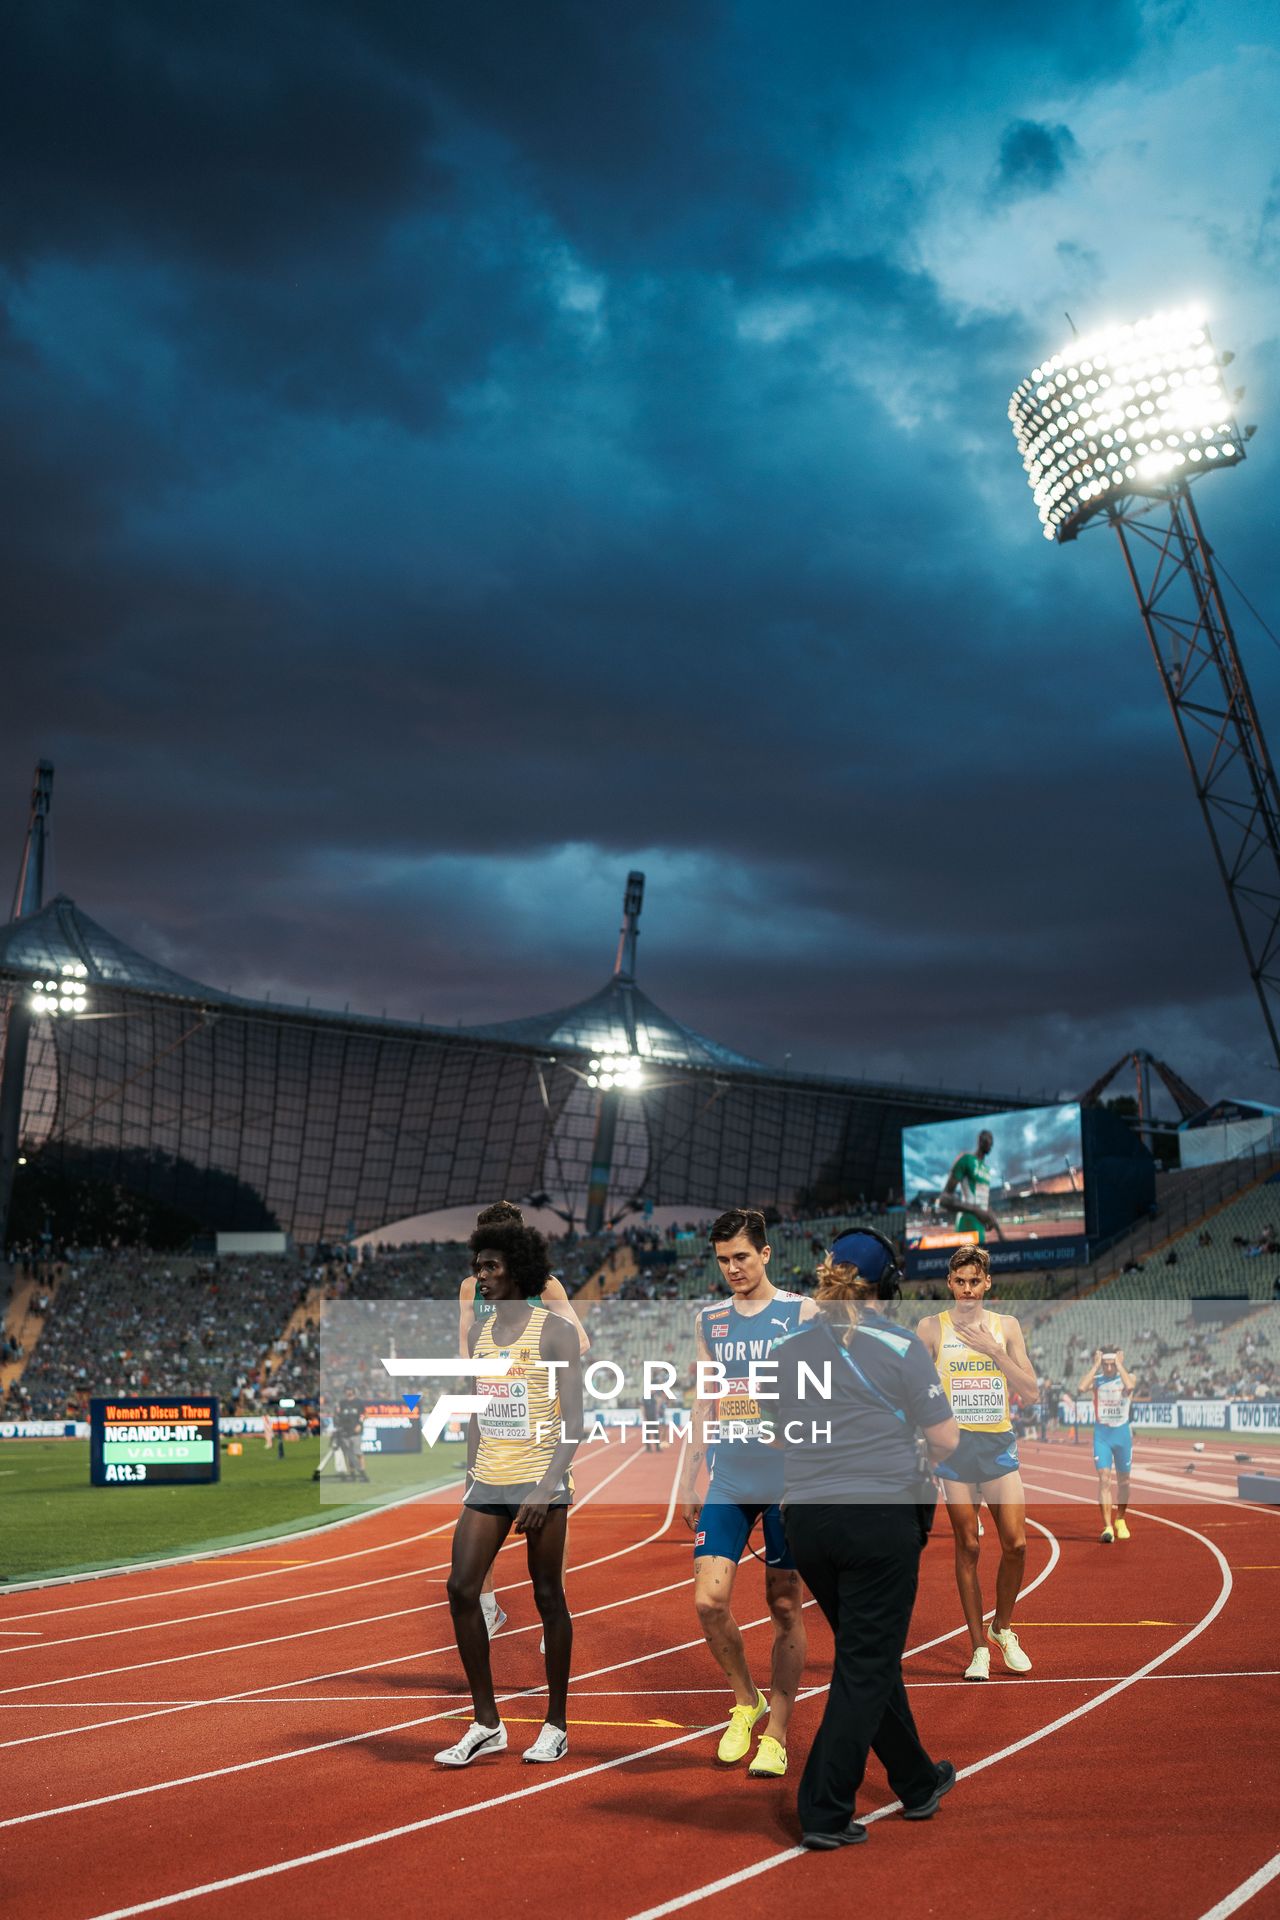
[745, 1483]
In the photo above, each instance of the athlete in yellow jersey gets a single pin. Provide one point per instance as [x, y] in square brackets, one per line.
[519, 1448]
[980, 1357]
[554, 1297]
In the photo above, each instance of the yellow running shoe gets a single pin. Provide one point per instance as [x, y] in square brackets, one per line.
[770, 1762]
[735, 1741]
[1122, 1531]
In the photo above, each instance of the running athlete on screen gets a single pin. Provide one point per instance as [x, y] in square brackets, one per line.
[980, 1357]
[1112, 1385]
[473, 1307]
[519, 1449]
[968, 1192]
[745, 1484]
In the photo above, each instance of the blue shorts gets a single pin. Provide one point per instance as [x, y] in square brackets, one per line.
[724, 1527]
[1113, 1447]
[980, 1457]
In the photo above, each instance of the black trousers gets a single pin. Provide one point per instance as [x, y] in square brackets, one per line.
[861, 1565]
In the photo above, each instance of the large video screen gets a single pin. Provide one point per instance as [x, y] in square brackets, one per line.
[1011, 1182]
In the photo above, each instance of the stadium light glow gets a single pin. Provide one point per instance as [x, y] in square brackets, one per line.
[64, 994]
[1125, 410]
[615, 1067]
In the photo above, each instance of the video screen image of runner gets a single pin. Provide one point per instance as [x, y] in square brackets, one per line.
[1001, 1180]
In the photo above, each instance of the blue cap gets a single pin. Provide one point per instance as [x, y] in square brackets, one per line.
[861, 1250]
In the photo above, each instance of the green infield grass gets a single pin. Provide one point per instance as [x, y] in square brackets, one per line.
[52, 1521]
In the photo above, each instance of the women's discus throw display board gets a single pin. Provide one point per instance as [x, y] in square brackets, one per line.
[155, 1442]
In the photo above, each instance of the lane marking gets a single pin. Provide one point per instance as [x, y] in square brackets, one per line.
[286, 1600]
[290, 1599]
[608, 1693]
[522, 1693]
[1232, 1902]
[248, 1693]
[606, 1766]
[978, 1766]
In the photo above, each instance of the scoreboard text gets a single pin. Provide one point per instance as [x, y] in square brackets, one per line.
[153, 1442]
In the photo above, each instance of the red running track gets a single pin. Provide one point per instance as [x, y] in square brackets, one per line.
[255, 1733]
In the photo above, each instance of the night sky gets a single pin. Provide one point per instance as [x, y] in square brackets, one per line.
[452, 454]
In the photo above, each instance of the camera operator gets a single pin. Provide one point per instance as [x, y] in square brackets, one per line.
[857, 1511]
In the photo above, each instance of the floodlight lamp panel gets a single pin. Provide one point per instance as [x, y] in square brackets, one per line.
[1137, 408]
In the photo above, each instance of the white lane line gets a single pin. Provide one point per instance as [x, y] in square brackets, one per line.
[744, 1874]
[522, 1793]
[611, 1693]
[522, 1694]
[399, 1726]
[337, 1673]
[1188, 1491]
[1232, 1902]
[367, 1515]
[293, 1599]
[272, 1640]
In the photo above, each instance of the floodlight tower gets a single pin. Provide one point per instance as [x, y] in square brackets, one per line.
[616, 1069]
[1114, 429]
[28, 898]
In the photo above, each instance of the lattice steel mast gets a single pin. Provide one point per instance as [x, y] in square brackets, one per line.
[1115, 428]
[1171, 567]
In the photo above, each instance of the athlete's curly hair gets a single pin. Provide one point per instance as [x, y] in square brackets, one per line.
[523, 1248]
[501, 1210]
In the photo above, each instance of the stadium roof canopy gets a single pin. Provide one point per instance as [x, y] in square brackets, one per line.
[246, 1113]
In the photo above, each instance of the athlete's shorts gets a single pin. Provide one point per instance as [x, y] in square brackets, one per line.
[506, 1500]
[980, 1457]
[724, 1527]
[1113, 1447]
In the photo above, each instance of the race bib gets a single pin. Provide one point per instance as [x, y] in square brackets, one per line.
[505, 1415]
[1112, 1410]
[978, 1399]
[738, 1404]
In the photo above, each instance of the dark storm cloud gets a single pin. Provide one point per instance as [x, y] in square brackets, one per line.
[450, 454]
[1033, 158]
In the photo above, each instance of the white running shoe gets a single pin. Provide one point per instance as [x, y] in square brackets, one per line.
[979, 1668]
[475, 1740]
[494, 1618]
[551, 1744]
[542, 1643]
[1007, 1641]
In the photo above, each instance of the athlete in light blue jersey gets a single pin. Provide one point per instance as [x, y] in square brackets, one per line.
[1112, 1387]
[745, 1480]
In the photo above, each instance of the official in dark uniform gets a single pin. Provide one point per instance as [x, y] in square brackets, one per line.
[857, 1510]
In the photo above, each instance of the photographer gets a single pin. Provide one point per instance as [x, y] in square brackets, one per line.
[857, 1512]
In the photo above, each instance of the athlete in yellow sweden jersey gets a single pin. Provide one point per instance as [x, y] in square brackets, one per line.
[980, 1356]
[519, 1448]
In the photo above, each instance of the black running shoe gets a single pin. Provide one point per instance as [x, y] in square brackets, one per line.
[849, 1836]
[927, 1808]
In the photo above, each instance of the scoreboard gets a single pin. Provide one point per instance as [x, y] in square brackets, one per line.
[157, 1442]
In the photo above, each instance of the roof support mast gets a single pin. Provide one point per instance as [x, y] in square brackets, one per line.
[28, 898]
[610, 1100]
